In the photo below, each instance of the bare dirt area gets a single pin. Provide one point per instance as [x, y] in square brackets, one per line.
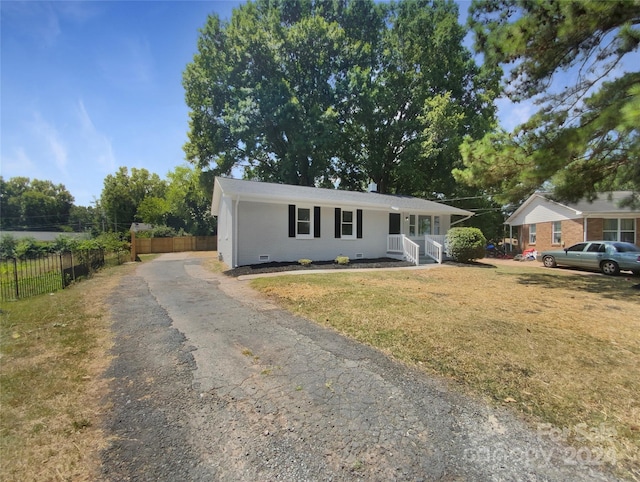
[209, 382]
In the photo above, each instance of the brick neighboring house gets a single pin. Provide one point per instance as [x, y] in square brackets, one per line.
[545, 224]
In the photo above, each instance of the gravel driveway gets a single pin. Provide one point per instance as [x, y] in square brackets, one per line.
[210, 382]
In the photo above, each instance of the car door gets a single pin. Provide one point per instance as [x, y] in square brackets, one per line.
[592, 256]
[574, 256]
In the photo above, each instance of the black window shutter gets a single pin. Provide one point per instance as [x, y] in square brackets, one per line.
[292, 220]
[338, 222]
[316, 221]
[359, 223]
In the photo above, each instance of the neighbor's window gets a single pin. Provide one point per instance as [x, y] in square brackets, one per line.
[304, 222]
[610, 230]
[347, 224]
[619, 230]
[424, 225]
[556, 232]
[436, 225]
[532, 234]
[628, 230]
[412, 225]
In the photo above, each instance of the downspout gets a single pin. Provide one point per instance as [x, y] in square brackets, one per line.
[584, 228]
[235, 232]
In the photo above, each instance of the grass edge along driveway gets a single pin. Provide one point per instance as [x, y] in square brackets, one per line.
[54, 349]
[561, 348]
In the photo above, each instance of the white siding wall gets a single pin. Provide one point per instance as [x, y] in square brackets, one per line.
[541, 211]
[263, 229]
[225, 230]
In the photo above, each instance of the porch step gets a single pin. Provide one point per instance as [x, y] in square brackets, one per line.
[426, 260]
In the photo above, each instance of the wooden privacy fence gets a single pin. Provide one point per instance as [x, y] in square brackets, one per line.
[21, 278]
[171, 245]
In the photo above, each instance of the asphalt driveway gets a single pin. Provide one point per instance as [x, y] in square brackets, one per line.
[211, 382]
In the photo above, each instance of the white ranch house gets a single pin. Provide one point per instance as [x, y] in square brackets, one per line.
[261, 222]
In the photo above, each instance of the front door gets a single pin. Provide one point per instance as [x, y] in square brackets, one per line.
[394, 223]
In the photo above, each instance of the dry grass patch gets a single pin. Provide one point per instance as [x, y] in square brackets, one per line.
[561, 348]
[53, 351]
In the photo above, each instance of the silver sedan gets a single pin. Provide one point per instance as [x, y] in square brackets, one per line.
[607, 256]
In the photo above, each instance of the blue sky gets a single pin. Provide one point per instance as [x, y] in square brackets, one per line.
[87, 87]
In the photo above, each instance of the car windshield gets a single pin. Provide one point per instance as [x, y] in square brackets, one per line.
[626, 248]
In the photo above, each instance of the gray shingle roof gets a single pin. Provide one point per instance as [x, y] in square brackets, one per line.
[607, 204]
[285, 193]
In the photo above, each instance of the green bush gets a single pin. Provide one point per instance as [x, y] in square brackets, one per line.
[304, 262]
[160, 232]
[7, 246]
[342, 260]
[29, 248]
[466, 244]
[110, 242]
[65, 243]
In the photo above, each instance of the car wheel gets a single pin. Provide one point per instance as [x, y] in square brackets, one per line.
[549, 262]
[610, 268]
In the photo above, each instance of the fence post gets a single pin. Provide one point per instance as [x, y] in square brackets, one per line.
[64, 285]
[15, 277]
[133, 247]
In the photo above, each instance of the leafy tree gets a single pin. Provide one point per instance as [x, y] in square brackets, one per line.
[84, 218]
[153, 210]
[33, 204]
[415, 98]
[188, 201]
[584, 138]
[313, 92]
[123, 193]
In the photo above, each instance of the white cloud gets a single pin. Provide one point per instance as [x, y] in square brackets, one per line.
[42, 21]
[96, 146]
[129, 63]
[53, 142]
[18, 164]
[512, 115]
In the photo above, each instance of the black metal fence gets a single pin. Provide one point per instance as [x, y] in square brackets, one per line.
[21, 278]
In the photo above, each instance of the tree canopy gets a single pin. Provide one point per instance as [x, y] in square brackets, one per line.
[317, 92]
[32, 204]
[578, 59]
[182, 202]
[123, 193]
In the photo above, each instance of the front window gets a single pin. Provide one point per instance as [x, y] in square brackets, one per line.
[436, 225]
[347, 224]
[412, 225]
[619, 230]
[303, 222]
[424, 225]
[532, 234]
[556, 232]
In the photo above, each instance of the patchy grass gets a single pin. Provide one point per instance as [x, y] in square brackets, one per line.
[54, 349]
[562, 348]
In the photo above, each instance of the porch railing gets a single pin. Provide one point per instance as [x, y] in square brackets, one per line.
[433, 248]
[399, 243]
[411, 250]
[394, 243]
